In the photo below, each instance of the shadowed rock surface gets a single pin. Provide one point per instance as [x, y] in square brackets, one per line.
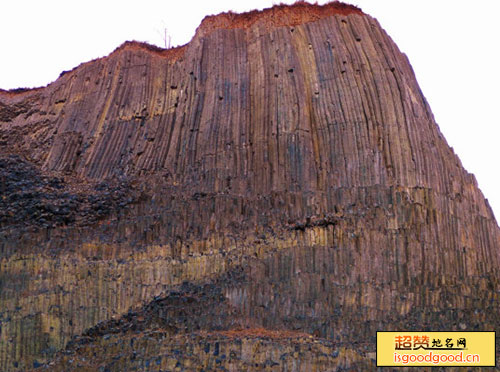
[277, 187]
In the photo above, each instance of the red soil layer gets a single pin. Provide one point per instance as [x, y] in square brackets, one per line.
[172, 53]
[278, 16]
[258, 333]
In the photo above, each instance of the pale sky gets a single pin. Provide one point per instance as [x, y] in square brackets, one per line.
[453, 46]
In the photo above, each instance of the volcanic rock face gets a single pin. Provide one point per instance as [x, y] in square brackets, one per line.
[276, 190]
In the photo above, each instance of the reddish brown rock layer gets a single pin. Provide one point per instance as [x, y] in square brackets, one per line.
[172, 53]
[278, 16]
[292, 174]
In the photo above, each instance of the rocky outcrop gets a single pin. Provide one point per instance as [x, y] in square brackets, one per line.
[249, 350]
[281, 172]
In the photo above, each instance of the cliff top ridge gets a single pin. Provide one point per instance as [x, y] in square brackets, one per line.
[278, 15]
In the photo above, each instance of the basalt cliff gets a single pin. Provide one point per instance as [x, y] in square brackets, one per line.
[265, 197]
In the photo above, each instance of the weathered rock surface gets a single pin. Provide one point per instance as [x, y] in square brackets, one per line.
[282, 172]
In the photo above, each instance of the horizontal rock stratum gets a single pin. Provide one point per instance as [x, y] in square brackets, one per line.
[267, 196]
